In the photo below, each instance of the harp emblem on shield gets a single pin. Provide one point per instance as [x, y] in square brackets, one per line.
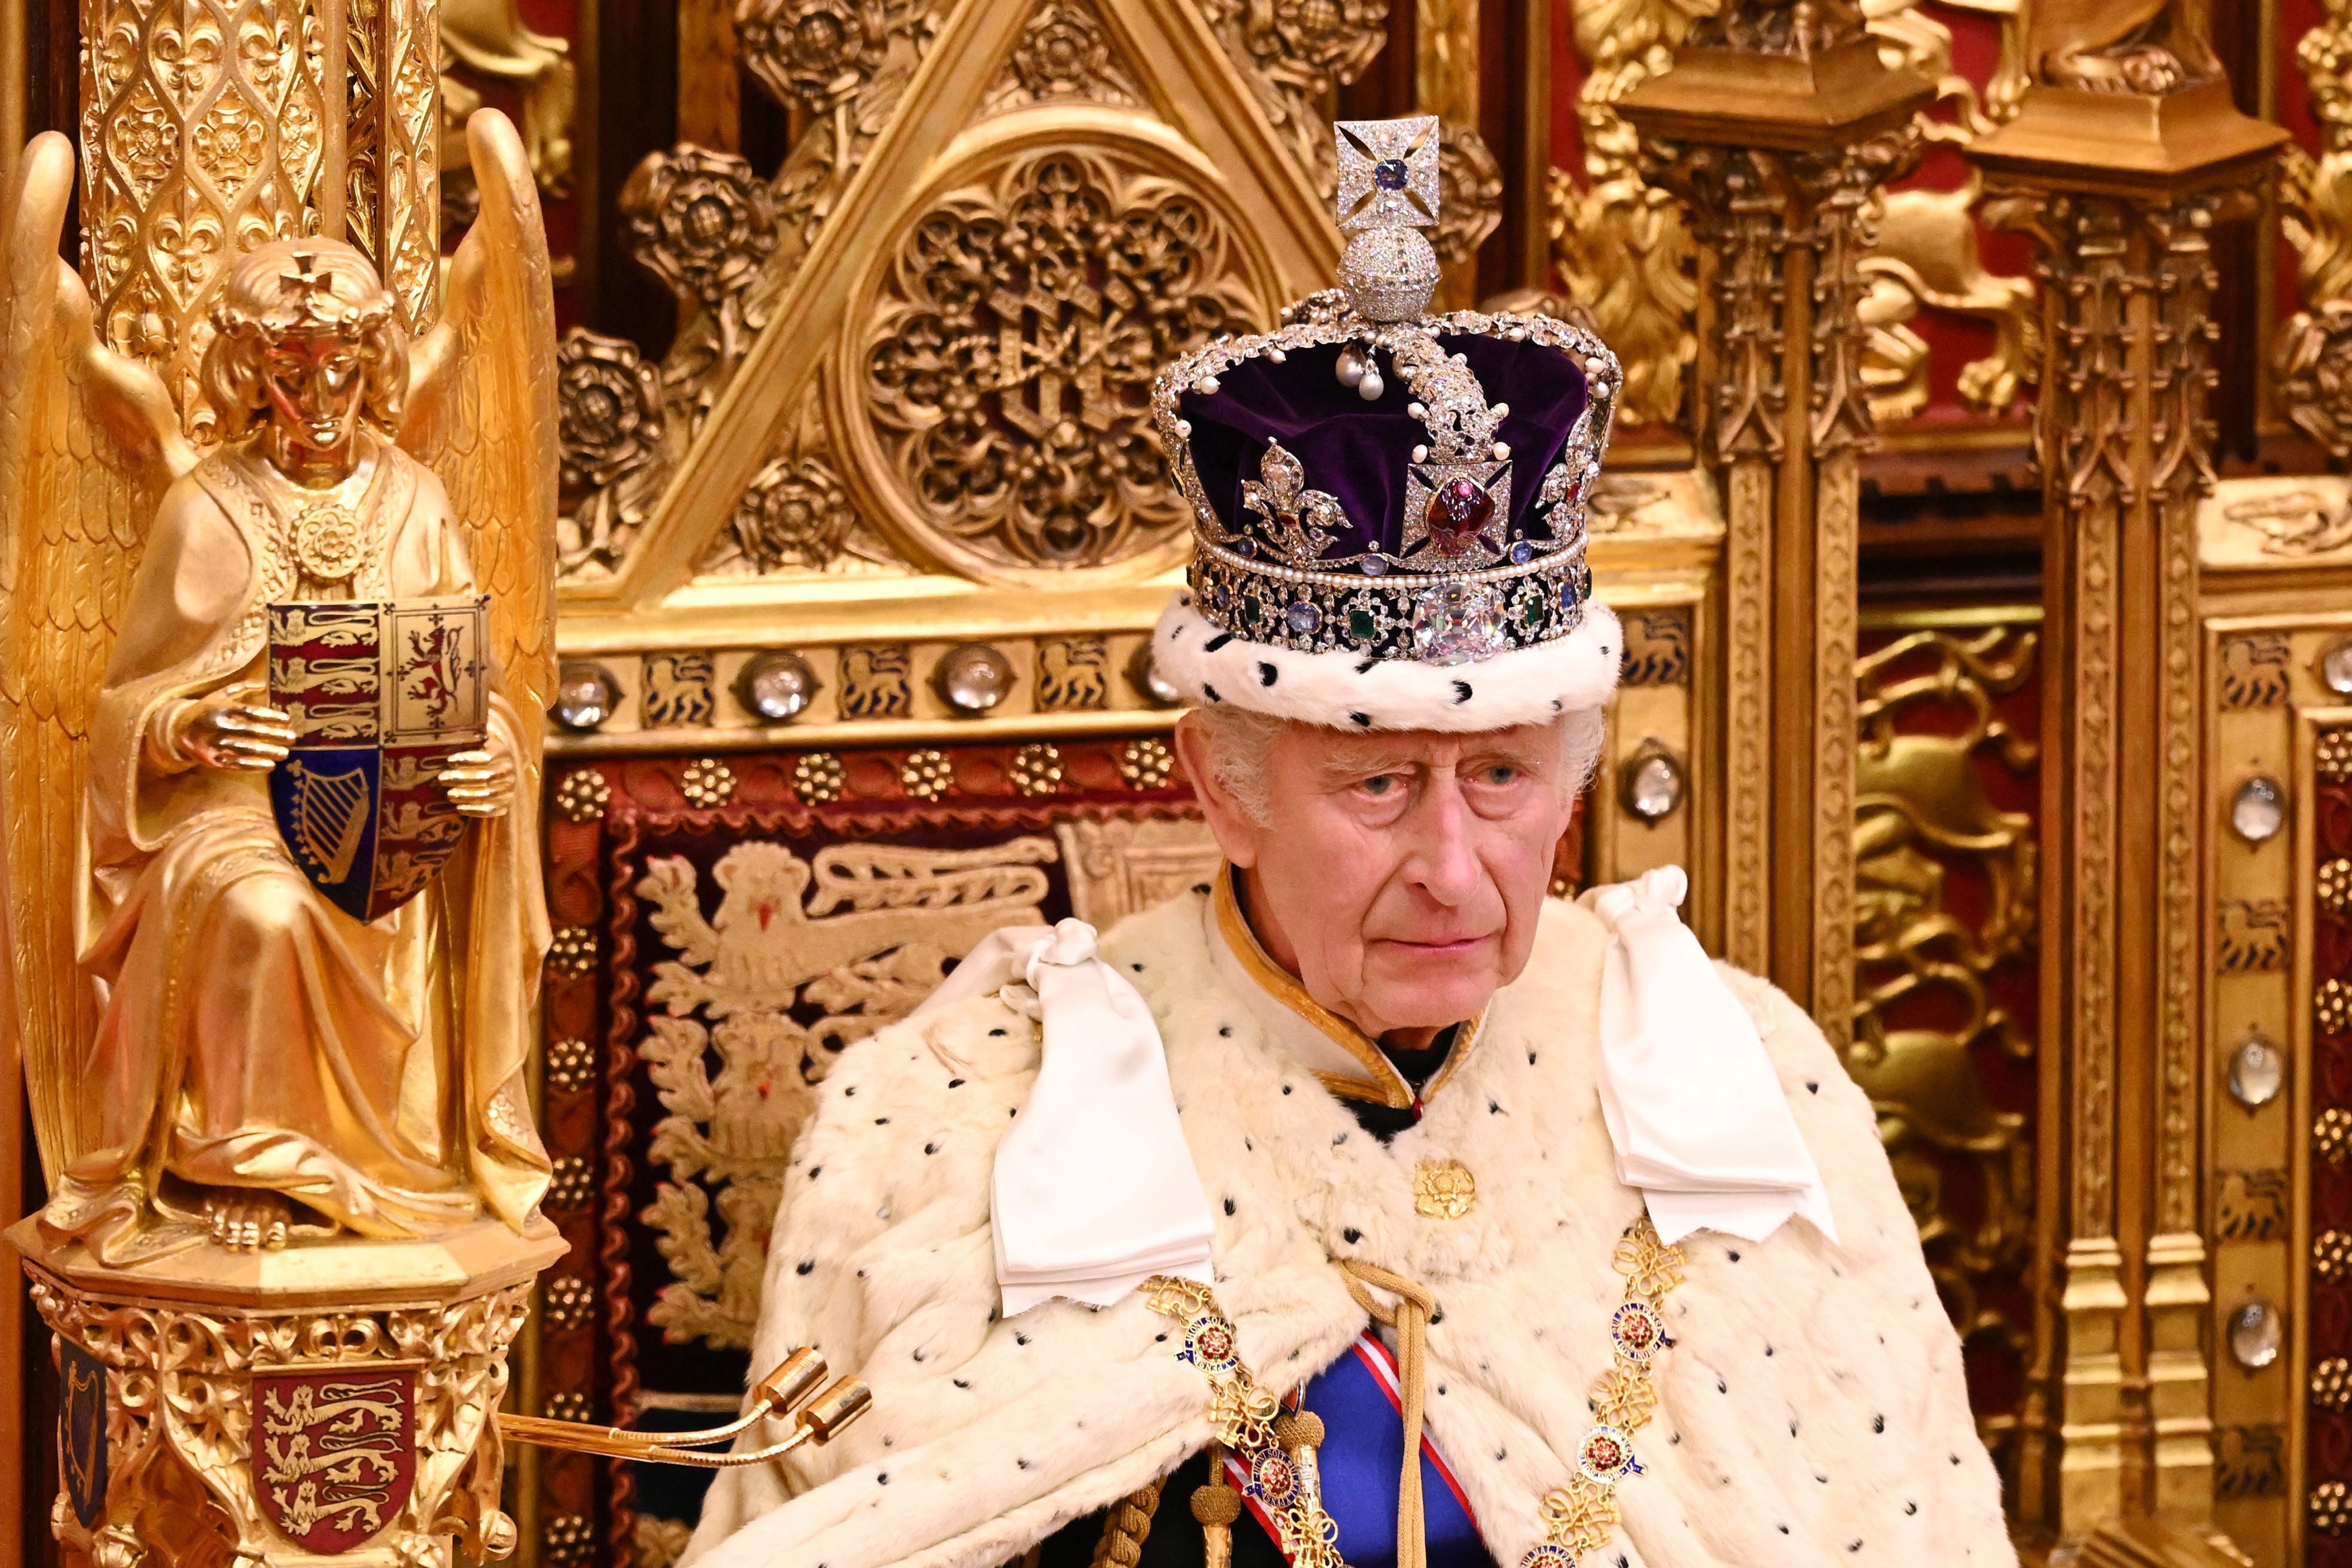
[380, 695]
[330, 817]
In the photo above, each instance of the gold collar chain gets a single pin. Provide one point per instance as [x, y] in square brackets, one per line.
[1276, 1447]
[1280, 1470]
[1581, 1516]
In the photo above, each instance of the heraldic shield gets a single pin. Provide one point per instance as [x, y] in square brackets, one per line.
[334, 1455]
[379, 696]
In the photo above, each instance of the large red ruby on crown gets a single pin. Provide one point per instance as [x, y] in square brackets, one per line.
[1458, 512]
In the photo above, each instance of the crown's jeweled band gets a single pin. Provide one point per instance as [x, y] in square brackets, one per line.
[1483, 600]
[1435, 620]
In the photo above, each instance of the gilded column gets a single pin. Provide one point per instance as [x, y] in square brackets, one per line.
[1776, 129]
[2122, 157]
[211, 126]
[391, 184]
[204, 132]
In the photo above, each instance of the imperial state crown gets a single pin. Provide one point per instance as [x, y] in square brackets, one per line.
[1387, 492]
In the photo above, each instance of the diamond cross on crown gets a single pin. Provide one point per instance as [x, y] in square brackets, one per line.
[1388, 174]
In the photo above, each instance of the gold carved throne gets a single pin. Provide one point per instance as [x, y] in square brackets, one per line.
[856, 586]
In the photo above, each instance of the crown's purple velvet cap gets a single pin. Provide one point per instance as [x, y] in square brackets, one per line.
[1358, 451]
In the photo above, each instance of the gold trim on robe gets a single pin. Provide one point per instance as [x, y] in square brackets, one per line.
[1344, 1059]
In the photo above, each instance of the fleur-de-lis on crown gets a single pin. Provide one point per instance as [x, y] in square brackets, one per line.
[1306, 520]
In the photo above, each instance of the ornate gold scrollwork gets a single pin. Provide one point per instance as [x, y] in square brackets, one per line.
[1619, 243]
[2122, 46]
[1014, 442]
[1925, 254]
[702, 223]
[2314, 351]
[1005, 367]
[1928, 251]
[1470, 195]
[814, 54]
[487, 37]
[1293, 53]
[189, 1400]
[801, 959]
[796, 514]
[1923, 813]
[729, 241]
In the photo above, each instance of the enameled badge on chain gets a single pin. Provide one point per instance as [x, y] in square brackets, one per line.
[380, 695]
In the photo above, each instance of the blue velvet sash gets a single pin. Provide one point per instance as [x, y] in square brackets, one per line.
[1362, 1452]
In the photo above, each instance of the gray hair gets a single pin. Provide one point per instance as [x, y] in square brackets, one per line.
[1240, 740]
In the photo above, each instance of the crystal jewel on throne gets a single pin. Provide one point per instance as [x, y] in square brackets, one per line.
[1457, 622]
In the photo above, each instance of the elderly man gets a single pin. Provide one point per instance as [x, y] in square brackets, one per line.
[1368, 1207]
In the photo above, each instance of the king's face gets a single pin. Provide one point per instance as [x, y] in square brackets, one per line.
[1400, 876]
[315, 385]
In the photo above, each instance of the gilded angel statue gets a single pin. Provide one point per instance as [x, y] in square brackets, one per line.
[270, 740]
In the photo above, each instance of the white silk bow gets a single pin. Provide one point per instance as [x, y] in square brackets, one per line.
[1095, 1191]
[1691, 1100]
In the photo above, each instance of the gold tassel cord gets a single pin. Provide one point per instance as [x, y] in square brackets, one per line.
[778, 1395]
[1126, 1527]
[1410, 1318]
[1216, 1506]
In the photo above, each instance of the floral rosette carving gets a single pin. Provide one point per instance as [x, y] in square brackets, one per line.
[1292, 53]
[815, 53]
[1311, 45]
[610, 404]
[1010, 360]
[796, 513]
[700, 221]
[1062, 54]
[2314, 368]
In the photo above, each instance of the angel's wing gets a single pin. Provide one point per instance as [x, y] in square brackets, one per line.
[482, 411]
[89, 442]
